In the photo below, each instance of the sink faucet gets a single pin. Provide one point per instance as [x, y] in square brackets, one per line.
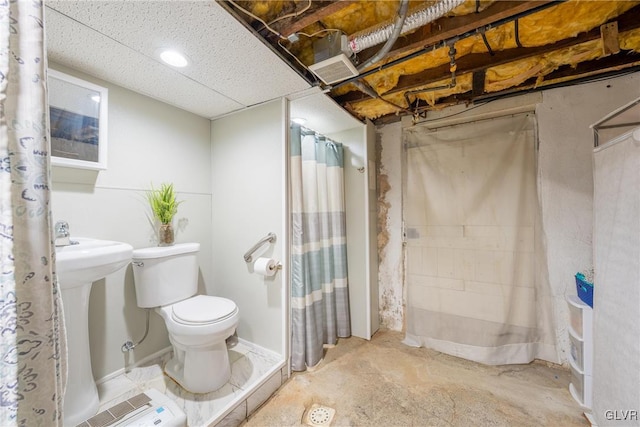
[62, 233]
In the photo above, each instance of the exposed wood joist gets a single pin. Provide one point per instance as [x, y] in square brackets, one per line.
[390, 76]
[585, 71]
[442, 43]
[445, 28]
[481, 61]
[478, 82]
[612, 63]
[286, 27]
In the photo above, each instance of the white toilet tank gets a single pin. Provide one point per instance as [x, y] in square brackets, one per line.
[165, 274]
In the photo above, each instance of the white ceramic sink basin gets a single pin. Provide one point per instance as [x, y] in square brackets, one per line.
[77, 267]
[90, 260]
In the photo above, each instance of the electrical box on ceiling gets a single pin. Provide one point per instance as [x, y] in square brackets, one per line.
[331, 59]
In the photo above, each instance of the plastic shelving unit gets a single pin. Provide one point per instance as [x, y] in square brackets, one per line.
[581, 354]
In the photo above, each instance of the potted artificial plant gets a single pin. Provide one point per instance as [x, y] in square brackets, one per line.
[164, 207]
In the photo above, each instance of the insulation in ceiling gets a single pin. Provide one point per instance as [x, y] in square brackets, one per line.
[554, 24]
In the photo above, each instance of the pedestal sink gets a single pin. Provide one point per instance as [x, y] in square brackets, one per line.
[78, 266]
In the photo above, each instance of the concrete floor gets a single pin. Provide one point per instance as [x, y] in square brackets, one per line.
[385, 383]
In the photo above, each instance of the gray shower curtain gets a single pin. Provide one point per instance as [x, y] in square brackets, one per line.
[477, 285]
[319, 291]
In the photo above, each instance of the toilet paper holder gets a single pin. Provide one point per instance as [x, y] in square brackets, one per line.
[270, 238]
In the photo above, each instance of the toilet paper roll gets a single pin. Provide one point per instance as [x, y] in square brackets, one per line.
[265, 266]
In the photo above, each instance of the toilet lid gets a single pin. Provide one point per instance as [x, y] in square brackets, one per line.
[203, 309]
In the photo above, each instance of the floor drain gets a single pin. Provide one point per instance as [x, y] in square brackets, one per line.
[319, 415]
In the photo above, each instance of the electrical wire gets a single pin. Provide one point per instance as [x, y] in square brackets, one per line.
[459, 112]
[326, 30]
[257, 18]
[291, 15]
[299, 62]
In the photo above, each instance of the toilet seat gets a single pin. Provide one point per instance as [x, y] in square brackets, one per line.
[203, 310]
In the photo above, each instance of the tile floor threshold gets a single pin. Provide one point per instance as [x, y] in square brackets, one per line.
[252, 369]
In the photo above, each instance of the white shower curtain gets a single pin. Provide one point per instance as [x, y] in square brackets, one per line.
[32, 346]
[475, 286]
[616, 292]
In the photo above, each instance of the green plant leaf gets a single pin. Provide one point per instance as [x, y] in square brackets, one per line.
[163, 202]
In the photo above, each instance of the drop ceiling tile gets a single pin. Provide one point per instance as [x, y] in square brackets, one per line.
[77, 46]
[225, 56]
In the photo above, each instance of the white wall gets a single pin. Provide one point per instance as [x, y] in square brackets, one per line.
[565, 186]
[390, 255]
[616, 299]
[149, 142]
[371, 210]
[355, 187]
[249, 163]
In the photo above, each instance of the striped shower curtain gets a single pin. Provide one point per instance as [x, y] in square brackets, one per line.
[319, 291]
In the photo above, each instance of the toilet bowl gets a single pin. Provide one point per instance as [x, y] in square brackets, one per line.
[166, 278]
[198, 328]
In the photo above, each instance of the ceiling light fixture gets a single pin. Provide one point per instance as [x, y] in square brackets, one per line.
[173, 58]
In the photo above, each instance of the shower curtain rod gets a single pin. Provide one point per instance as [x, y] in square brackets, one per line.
[314, 132]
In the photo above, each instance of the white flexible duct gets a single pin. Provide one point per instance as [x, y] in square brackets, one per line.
[413, 21]
[397, 30]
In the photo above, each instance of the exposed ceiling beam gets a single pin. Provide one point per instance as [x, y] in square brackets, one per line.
[449, 30]
[481, 61]
[445, 28]
[286, 27]
[584, 72]
[566, 75]
[478, 80]
[449, 41]
[612, 63]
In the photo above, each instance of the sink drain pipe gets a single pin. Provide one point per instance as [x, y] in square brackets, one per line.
[128, 346]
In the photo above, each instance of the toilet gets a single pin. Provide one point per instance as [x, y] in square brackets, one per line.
[166, 278]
